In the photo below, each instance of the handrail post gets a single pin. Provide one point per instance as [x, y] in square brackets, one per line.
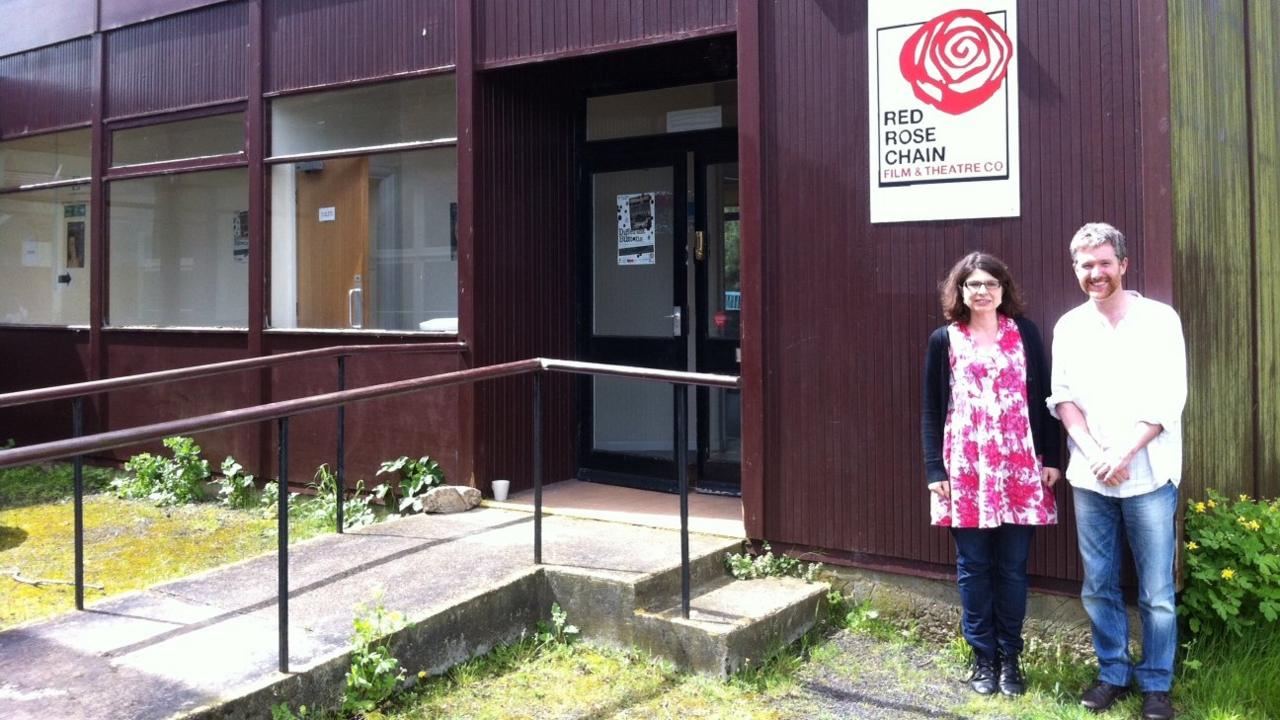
[282, 550]
[537, 467]
[342, 447]
[77, 429]
[682, 478]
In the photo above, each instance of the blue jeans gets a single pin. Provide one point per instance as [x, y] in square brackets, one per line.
[1148, 522]
[991, 570]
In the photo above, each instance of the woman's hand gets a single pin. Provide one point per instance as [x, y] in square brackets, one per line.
[942, 489]
[1050, 475]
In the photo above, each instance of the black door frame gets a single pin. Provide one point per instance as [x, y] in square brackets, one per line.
[707, 146]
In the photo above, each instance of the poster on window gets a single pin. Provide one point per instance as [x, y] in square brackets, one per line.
[637, 228]
[240, 236]
[943, 79]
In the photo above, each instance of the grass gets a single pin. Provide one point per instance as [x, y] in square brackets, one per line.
[129, 544]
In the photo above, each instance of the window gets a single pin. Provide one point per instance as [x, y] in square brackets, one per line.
[44, 256]
[45, 158]
[181, 140]
[363, 117]
[180, 250]
[363, 233]
[668, 110]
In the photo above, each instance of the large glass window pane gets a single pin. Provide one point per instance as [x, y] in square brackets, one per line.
[668, 110]
[180, 250]
[404, 111]
[44, 158]
[185, 139]
[44, 256]
[366, 242]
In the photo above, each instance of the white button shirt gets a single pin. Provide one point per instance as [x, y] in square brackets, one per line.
[1120, 376]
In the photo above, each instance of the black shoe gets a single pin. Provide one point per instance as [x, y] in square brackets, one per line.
[1157, 706]
[1102, 696]
[983, 680]
[1011, 680]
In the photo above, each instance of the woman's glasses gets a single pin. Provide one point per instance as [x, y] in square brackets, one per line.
[976, 285]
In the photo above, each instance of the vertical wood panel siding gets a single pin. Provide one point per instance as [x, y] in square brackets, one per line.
[36, 358]
[1264, 42]
[314, 42]
[523, 266]
[27, 24]
[1212, 249]
[188, 60]
[519, 29]
[47, 88]
[849, 315]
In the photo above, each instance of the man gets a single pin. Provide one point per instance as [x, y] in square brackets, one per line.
[1119, 386]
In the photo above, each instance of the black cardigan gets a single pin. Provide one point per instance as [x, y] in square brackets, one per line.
[1045, 432]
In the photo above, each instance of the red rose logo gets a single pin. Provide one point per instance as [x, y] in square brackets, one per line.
[956, 61]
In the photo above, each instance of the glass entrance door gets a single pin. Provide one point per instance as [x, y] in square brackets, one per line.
[661, 290]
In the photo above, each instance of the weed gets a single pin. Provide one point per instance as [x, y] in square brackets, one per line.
[375, 673]
[282, 711]
[166, 481]
[416, 478]
[558, 631]
[745, 567]
[31, 484]
[235, 488]
[1233, 569]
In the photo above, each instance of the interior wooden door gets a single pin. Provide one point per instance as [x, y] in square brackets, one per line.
[333, 237]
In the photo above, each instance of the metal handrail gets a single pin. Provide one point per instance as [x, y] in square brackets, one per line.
[96, 387]
[282, 410]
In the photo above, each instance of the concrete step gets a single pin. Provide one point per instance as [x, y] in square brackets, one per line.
[731, 623]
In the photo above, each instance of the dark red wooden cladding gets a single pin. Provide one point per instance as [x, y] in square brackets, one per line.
[118, 13]
[317, 42]
[512, 30]
[189, 60]
[27, 24]
[523, 266]
[39, 357]
[843, 468]
[47, 88]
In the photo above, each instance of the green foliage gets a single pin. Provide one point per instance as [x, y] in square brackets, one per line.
[357, 511]
[416, 478]
[166, 481]
[375, 673]
[235, 487]
[282, 711]
[744, 566]
[558, 631]
[1233, 564]
[31, 484]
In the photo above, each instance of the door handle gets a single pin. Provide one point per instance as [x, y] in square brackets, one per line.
[699, 245]
[677, 324]
[352, 314]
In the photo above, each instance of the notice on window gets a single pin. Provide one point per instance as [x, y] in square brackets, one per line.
[240, 236]
[943, 81]
[637, 226]
[36, 253]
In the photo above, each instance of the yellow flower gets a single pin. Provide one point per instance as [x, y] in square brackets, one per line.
[1228, 573]
[1211, 503]
[1240, 519]
[422, 674]
[1192, 546]
[1199, 507]
[1254, 525]
[1244, 498]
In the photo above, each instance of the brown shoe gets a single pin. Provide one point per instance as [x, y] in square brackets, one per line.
[1102, 696]
[1157, 706]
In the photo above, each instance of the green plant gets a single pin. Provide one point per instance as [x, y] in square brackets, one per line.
[416, 478]
[282, 711]
[1233, 564]
[375, 673]
[235, 488]
[357, 511]
[744, 566]
[558, 631]
[166, 481]
[269, 499]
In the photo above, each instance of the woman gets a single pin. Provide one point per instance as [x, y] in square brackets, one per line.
[992, 454]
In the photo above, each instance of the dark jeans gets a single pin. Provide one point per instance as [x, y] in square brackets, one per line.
[991, 570]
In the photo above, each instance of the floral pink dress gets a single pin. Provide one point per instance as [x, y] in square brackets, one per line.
[986, 445]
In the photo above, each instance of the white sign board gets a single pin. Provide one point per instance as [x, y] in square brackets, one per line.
[328, 214]
[943, 79]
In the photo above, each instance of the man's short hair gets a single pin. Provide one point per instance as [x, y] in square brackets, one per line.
[1097, 234]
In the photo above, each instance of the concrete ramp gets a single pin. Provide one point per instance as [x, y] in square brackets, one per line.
[206, 646]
